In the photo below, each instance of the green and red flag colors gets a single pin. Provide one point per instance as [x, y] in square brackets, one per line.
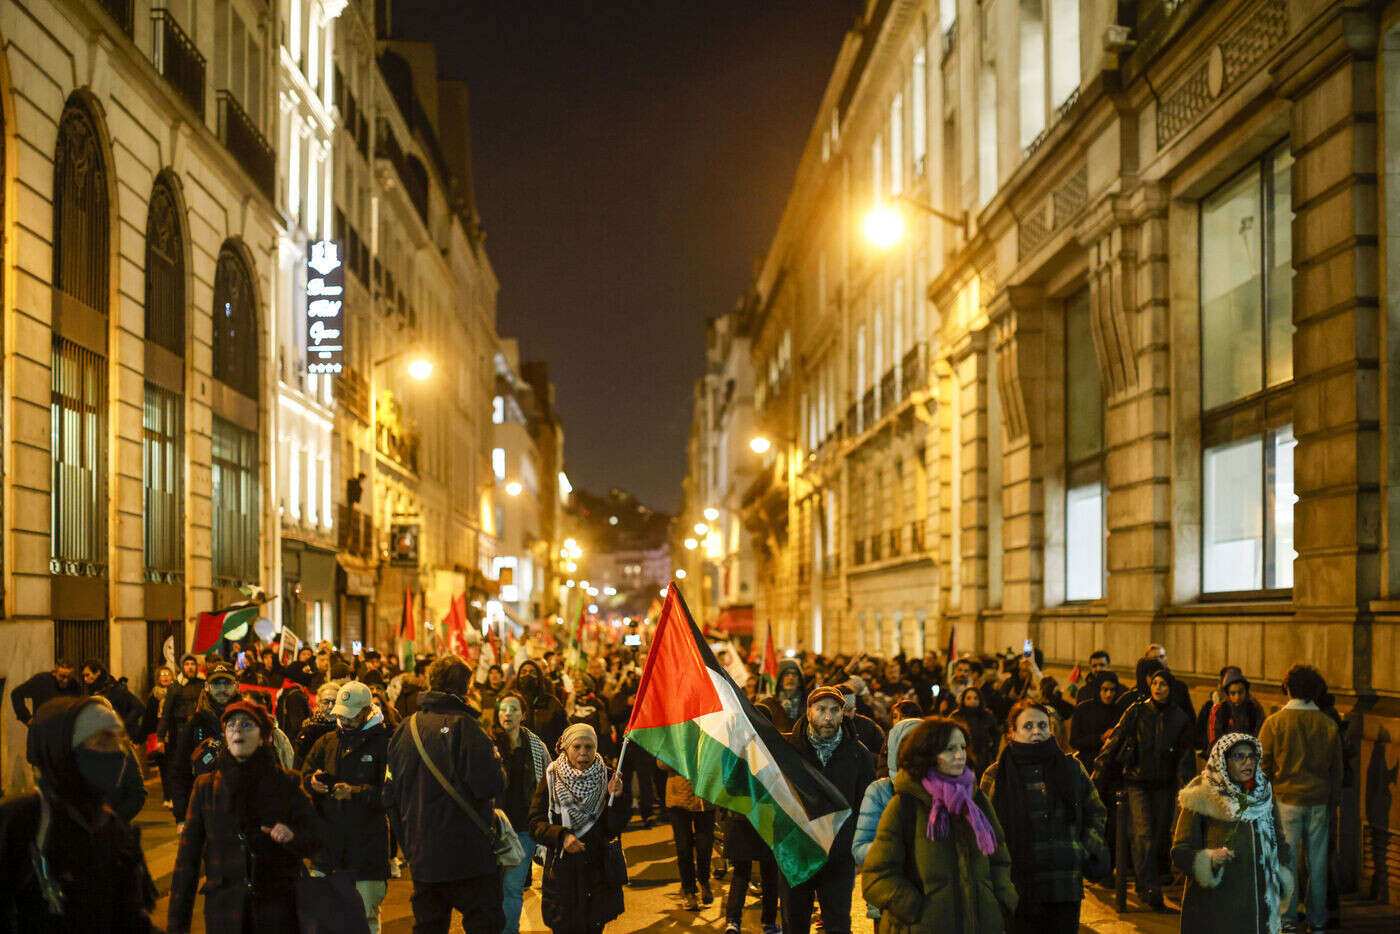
[408, 632]
[211, 627]
[690, 715]
[768, 668]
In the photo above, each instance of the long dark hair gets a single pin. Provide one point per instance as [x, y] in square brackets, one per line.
[499, 735]
[918, 754]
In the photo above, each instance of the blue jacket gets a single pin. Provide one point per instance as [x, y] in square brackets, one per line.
[876, 797]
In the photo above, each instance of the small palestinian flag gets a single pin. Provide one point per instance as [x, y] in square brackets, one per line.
[223, 624]
[769, 669]
[691, 716]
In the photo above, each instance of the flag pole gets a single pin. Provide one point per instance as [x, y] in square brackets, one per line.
[620, 754]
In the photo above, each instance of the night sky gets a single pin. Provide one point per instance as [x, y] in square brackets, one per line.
[632, 160]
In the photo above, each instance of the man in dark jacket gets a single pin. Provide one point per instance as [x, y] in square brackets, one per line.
[183, 698]
[28, 697]
[344, 775]
[867, 730]
[100, 683]
[1152, 744]
[453, 864]
[831, 746]
[544, 714]
[220, 690]
[93, 875]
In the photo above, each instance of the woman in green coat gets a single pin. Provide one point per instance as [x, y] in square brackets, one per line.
[939, 860]
[1228, 844]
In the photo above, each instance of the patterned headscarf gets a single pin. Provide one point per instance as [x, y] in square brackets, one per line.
[576, 795]
[1252, 805]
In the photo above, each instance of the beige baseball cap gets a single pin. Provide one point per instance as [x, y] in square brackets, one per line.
[351, 699]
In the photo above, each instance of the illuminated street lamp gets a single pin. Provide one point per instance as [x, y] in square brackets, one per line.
[711, 514]
[883, 225]
[420, 369]
[701, 528]
[513, 488]
[691, 544]
[759, 444]
[680, 574]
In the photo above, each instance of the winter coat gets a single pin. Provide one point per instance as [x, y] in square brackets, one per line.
[203, 724]
[312, 729]
[1067, 842]
[524, 765]
[1153, 744]
[983, 735]
[1226, 718]
[1227, 900]
[28, 697]
[872, 806]
[96, 861]
[238, 867]
[575, 891]
[180, 705]
[122, 700]
[869, 733]
[151, 716]
[356, 830]
[442, 843]
[293, 708]
[958, 889]
[1091, 720]
[851, 769]
[680, 793]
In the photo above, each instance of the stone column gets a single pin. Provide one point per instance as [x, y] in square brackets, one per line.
[972, 509]
[1018, 331]
[1330, 75]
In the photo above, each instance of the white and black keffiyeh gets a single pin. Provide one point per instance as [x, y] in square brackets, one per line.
[577, 795]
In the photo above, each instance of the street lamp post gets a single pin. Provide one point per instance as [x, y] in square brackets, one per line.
[883, 225]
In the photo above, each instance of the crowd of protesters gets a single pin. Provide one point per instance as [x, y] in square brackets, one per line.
[983, 795]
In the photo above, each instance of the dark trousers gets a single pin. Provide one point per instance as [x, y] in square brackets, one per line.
[695, 840]
[1150, 811]
[831, 887]
[478, 899]
[651, 782]
[1047, 918]
[739, 888]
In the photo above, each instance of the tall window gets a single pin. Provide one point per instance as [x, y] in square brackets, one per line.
[163, 484]
[1064, 49]
[918, 111]
[165, 270]
[1246, 377]
[78, 383]
[1084, 487]
[986, 133]
[234, 496]
[897, 144]
[235, 325]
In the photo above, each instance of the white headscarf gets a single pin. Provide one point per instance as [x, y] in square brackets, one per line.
[576, 795]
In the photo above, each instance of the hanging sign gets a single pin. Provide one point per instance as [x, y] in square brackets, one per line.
[325, 308]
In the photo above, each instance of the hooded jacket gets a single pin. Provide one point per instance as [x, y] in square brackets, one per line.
[122, 700]
[544, 714]
[355, 831]
[202, 724]
[773, 703]
[878, 795]
[1153, 745]
[93, 857]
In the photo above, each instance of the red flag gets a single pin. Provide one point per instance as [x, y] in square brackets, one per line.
[211, 627]
[770, 657]
[455, 625]
[1074, 675]
[407, 631]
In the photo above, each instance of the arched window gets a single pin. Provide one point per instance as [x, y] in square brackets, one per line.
[78, 367]
[165, 269]
[80, 235]
[235, 324]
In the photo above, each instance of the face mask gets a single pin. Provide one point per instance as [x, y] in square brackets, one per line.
[529, 682]
[101, 770]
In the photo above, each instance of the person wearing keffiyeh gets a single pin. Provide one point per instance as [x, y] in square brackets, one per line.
[1228, 844]
[939, 860]
[577, 810]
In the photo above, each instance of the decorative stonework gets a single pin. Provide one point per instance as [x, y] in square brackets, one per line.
[1053, 212]
[1221, 67]
[1110, 307]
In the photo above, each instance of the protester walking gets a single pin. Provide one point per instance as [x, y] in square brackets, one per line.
[578, 814]
[980, 727]
[1301, 752]
[787, 705]
[1237, 711]
[939, 861]
[1229, 845]
[525, 758]
[1053, 820]
[1151, 748]
[149, 736]
[829, 743]
[71, 865]
[220, 690]
[28, 697]
[249, 826]
[98, 682]
[693, 831]
[877, 796]
[544, 714]
[441, 762]
[344, 775]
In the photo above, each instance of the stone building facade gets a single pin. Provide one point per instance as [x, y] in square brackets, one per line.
[1115, 364]
[167, 168]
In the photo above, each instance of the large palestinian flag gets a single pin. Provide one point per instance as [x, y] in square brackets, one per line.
[690, 715]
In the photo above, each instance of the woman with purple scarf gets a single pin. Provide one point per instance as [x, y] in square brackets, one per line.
[1053, 820]
[939, 861]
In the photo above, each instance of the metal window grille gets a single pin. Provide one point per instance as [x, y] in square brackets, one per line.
[80, 640]
[235, 504]
[157, 630]
[235, 332]
[165, 271]
[80, 237]
[78, 421]
[178, 59]
[163, 484]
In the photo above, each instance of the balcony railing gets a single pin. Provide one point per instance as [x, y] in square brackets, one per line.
[876, 549]
[889, 390]
[401, 448]
[852, 422]
[178, 60]
[123, 11]
[354, 532]
[352, 391]
[896, 542]
[247, 145]
[918, 536]
[859, 557]
[867, 406]
[915, 373]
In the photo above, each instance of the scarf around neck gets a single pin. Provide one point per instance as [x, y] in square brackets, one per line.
[1244, 805]
[825, 748]
[953, 796]
[1009, 797]
[577, 795]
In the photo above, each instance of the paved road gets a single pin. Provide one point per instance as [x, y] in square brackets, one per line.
[653, 897]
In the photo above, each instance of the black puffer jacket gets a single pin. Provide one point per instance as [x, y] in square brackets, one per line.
[851, 769]
[203, 724]
[122, 700]
[355, 831]
[1153, 745]
[93, 856]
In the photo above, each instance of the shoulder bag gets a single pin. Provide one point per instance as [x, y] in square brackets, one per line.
[504, 841]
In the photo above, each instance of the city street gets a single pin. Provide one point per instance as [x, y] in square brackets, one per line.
[653, 899]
